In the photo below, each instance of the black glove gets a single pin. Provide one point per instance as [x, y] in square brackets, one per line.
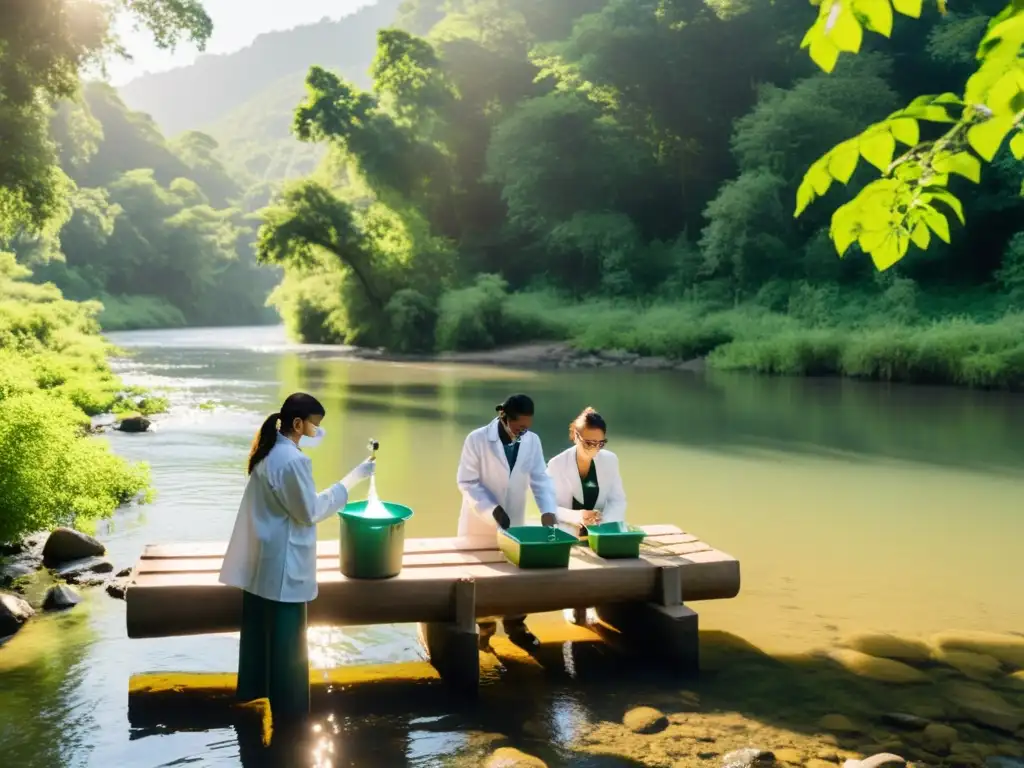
[501, 517]
[548, 519]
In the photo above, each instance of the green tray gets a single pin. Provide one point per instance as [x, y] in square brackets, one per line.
[536, 546]
[615, 540]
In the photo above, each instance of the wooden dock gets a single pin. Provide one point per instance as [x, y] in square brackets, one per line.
[448, 583]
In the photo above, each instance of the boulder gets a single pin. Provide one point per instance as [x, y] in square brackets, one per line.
[889, 647]
[14, 612]
[60, 597]
[508, 757]
[751, 757]
[134, 424]
[876, 668]
[87, 571]
[645, 720]
[65, 545]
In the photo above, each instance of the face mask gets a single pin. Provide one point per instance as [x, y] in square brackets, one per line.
[512, 435]
[307, 441]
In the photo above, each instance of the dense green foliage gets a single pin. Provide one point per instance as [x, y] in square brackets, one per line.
[525, 164]
[912, 201]
[53, 376]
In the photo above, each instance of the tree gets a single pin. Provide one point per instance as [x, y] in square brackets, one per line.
[942, 136]
[44, 45]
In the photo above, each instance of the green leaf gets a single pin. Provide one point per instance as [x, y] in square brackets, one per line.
[905, 130]
[947, 198]
[1017, 145]
[873, 239]
[911, 8]
[986, 138]
[891, 250]
[804, 196]
[878, 147]
[844, 228]
[846, 32]
[936, 221]
[818, 176]
[876, 13]
[824, 53]
[962, 163]
[842, 160]
[921, 236]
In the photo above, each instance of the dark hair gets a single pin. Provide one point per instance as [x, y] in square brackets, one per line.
[515, 406]
[296, 406]
[588, 419]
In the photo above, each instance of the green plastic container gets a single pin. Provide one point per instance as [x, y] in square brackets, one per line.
[536, 546]
[372, 547]
[615, 540]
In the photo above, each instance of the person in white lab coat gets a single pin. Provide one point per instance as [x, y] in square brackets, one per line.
[272, 552]
[499, 462]
[588, 486]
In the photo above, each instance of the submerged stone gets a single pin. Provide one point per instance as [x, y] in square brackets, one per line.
[1008, 649]
[839, 724]
[86, 571]
[876, 761]
[905, 720]
[751, 757]
[887, 646]
[977, 666]
[939, 738]
[985, 707]
[875, 668]
[508, 757]
[789, 756]
[645, 720]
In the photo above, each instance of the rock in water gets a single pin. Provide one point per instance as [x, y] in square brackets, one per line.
[14, 612]
[839, 724]
[905, 720]
[507, 757]
[939, 738]
[85, 571]
[117, 588]
[60, 597]
[876, 761]
[985, 707]
[977, 666]
[1008, 649]
[65, 545]
[751, 757]
[645, 720]
[874, 668]
[889, 647]
[14, 570]
[134, 424]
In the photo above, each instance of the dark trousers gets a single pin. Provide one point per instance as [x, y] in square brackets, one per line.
[273, 658]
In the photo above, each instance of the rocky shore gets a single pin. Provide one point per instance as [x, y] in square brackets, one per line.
[45, 572]
[546, 355]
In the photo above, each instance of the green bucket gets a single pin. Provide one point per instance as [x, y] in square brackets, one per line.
[372, 547]
[535, 546]
[615, 540]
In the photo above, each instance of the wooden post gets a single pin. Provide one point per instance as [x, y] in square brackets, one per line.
[666, 628]
[453, 647]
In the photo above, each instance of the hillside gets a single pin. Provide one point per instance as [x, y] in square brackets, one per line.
[248, 96]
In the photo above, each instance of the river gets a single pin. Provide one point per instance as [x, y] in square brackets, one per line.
[851, 507]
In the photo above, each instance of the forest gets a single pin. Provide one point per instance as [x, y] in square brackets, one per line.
[623, 174]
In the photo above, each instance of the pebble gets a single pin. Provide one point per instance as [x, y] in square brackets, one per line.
[508, 757]
[905, 720]
[876, 761]
[645, 720]
[789, 755]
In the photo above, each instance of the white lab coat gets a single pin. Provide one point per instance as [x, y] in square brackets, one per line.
[611, 496]
[485, 482]
[272, 552]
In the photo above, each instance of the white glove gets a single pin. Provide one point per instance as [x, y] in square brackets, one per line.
[360, 474]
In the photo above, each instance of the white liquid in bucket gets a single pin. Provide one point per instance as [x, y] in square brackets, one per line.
[374, 506]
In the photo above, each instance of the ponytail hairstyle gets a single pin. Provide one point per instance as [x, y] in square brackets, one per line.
[515, 406]
[588, 419]
[296, 406]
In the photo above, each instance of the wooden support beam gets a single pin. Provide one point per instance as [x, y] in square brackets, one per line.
[667, 632]
[453, 646]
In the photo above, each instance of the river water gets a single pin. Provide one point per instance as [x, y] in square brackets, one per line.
[852, 507]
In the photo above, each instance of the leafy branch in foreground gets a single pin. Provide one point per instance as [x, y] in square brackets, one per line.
[911, 201]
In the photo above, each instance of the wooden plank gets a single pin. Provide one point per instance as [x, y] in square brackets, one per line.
[323, 563]
[656, 534]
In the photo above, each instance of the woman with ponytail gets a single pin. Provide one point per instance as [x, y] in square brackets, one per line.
[272, 553]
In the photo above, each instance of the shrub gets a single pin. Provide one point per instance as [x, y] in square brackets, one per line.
[413, 319]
